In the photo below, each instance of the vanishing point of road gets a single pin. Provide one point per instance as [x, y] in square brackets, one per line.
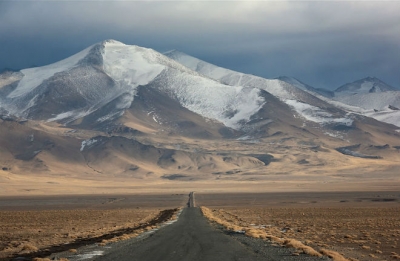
[192, 238]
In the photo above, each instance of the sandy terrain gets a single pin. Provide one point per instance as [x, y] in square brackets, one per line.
[36, 223]
[292, 162]
[360, 225]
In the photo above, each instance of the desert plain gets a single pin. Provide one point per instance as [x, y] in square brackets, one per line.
[358, 225]
[38, 226]
[355, 225]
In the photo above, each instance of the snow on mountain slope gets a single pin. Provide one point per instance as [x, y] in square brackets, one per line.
[202, 67]
[130, 66]
[108, 74]
[305, 87]
[388, 116]
[227, 104]
[318, 115]
[364, 86]
[33, 77]
[371, 101]
[313, 104]
[379, 106]
[370, 97]
[360, 97]
[292, 95]
[295, 82]
[276, 87]
[103, 80]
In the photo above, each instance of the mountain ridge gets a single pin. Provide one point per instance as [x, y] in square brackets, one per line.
[123, 116]
[365, 85]
[351, 102]
[115, 80]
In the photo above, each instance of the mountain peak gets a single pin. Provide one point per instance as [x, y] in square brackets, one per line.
[371, 79]
[173, 51]
[363, 86]
[112, 41]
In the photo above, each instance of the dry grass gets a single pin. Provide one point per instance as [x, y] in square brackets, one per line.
[357, 233]
[229, 225]
[298, 245]
[120, 238]
[394, 255]
[27, 231]
[334, 255]
[258, 233]
[29, 248]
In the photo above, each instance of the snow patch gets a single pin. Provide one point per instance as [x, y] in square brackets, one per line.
[90, 255]
[335, 135]
[33, 77]
[155, 118]
[202, 67]
[388, 116]
[364, 86]
[130, 66]
[315, 114]
[111, 116]
[88, 143]
[294, 82]
[276, 87]
[167, 223]
[244, 138]
[231, 105]
[248, 139]
[62, 116]
[372, 101]
[367, 104]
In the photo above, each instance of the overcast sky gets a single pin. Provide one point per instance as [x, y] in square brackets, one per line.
[324, 44]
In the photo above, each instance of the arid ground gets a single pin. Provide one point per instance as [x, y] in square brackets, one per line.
[38, 223]
[358, 225]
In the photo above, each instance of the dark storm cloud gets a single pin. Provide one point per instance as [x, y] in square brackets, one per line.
[322, 43]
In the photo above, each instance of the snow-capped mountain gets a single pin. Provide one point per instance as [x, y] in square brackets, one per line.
[364, 86]
[109, 74]
[369, 94]
[101, 83]
[368, 97]
[288, 90]
[128, 111]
